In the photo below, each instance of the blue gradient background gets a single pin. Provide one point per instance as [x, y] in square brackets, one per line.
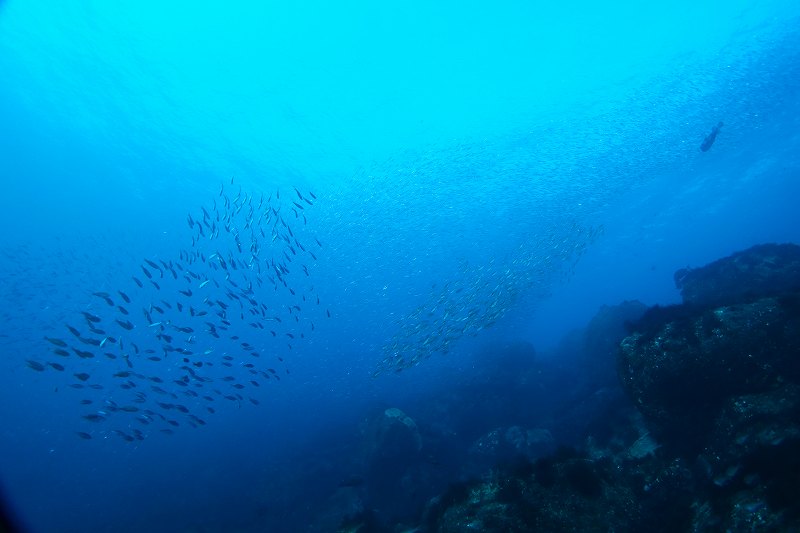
[433, 134]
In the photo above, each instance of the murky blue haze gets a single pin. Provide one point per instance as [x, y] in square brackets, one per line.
[480, 174]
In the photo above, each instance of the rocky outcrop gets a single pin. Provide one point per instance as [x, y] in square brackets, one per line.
[682, 373]
[715, 445]
[718, 382]
[758, 272]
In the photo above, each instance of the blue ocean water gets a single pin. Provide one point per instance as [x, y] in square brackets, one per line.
[444, 179]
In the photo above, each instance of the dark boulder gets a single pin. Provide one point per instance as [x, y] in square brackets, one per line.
[681, 375]
[567, 491]
[718, 382]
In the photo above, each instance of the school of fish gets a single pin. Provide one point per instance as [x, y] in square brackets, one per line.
[158, 341]
[217, 320]
[478, 296]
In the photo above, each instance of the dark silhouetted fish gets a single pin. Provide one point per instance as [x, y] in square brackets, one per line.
[57, 342]
[126, 324]
[709, 140]
[83, 354]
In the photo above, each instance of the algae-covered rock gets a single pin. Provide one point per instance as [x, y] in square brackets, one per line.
[718, 382]
[681, 373]
[566, 492]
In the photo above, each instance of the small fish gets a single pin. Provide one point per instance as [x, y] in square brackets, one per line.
[83, 435]
[127, 324]
[124, 297]
[83, 376]
[709, 140]
[57, 342]
[90, 317]
[35, 365]
[57, 366]
[139, 283]
[105, 296]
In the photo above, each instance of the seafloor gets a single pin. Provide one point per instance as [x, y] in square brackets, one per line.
[679, 418]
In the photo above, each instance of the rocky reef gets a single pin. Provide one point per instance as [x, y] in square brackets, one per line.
[718, 382]
[708, 441]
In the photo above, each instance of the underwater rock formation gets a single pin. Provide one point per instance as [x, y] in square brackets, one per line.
[718, 381]
[565, 492]
[760, 271]
[716, 446]
[682, 375]
[602, 336]
[684, 364]
[392, 462]
[393, 435]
